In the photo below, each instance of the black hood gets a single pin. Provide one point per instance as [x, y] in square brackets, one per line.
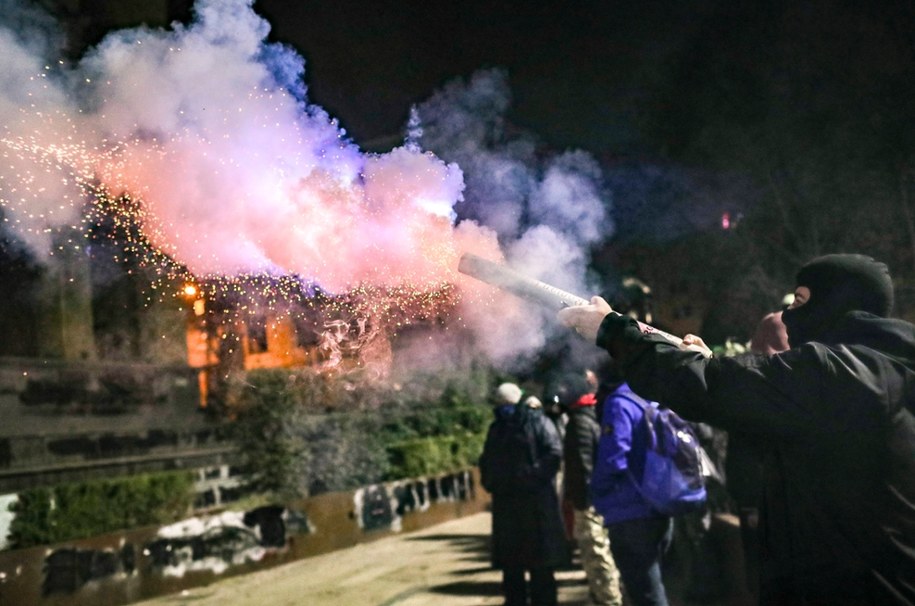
[838, 284]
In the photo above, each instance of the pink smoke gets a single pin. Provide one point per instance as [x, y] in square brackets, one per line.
[208, 127]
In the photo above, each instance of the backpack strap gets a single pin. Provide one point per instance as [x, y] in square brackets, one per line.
[647, 409]
[649, 412]
[530, 437]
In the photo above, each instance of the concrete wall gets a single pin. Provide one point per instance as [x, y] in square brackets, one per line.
[129, 566]
[68, 421]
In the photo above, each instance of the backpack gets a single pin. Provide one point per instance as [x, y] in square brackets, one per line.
[672, 479]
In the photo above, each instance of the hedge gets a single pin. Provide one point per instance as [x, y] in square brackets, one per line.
[292, 448]
[85, 509]
[299, 433]
[429, 456]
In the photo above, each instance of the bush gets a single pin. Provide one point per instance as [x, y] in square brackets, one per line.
[268, 430]
[430, 456]
[344, 451]
[303, 433]
[85, 509]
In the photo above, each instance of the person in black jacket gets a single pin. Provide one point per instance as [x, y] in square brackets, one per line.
[520, 459]
[743, 465]
[836, 416]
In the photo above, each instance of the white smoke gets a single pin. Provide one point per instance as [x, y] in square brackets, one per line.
[209, 124]
[29, 98]
[546, 209]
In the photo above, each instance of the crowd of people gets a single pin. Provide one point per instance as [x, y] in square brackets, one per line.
[820, 421]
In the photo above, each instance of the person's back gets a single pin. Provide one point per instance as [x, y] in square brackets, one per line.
[639, 535]
[520, 459]
[508, 453]
[579, 452]
[838, 515]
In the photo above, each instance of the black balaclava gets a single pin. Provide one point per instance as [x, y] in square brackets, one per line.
[838, 284]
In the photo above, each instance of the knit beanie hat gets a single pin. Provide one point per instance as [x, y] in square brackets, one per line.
[508, 393]
[838, 284]
[533, 402]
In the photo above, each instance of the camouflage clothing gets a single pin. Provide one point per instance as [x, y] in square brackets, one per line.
[580, 447]
[596, 560]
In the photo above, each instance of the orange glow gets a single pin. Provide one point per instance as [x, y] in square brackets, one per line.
[190, 290]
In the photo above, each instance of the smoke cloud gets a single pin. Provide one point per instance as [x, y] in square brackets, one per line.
[209, 126]
[547, 210]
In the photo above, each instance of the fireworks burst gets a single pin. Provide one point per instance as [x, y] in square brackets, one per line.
[192, 156]
[121, 224]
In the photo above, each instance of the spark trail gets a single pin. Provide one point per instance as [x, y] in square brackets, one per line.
[199, 146]
[198, 149]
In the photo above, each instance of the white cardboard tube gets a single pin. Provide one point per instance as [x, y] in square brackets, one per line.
[509, 280]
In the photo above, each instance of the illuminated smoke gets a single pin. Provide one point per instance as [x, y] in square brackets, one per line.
[208, 125]
[231, 171]
[547, 211]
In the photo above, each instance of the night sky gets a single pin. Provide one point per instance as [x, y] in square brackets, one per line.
[579, 71]
[651, 79]
[793, 116]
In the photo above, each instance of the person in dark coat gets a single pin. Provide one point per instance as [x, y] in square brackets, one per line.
[836, 414]
[744, 461]
[579, 450]
[520, 459]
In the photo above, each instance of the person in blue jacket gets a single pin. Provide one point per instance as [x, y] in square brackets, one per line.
[639, 535]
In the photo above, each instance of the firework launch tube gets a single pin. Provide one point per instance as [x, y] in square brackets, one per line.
[509, 280]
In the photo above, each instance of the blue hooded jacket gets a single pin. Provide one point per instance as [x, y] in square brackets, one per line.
[620, 451]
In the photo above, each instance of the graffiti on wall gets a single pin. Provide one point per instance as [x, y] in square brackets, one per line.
[68, 569]
[383, 506]
[212, 543]
[216, 543]
[219, 542]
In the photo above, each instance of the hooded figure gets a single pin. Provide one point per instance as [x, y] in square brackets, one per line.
[836, 285]
[835, 417]
[518, 467]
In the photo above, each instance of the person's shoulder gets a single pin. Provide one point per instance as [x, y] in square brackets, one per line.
[812, 357]
[543, 424]
[581, 414]
[888, 336]
[625, 395]
[627, 402]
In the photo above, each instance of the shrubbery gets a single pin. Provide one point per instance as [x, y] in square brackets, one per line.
[301, 432]
[428, 456]
[85, 509]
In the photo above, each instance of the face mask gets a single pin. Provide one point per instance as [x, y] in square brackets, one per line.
[802, 324]
[838, 284]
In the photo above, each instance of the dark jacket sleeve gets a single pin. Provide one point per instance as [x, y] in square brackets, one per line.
[486, 462]
[579, 450]
[777, 395]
